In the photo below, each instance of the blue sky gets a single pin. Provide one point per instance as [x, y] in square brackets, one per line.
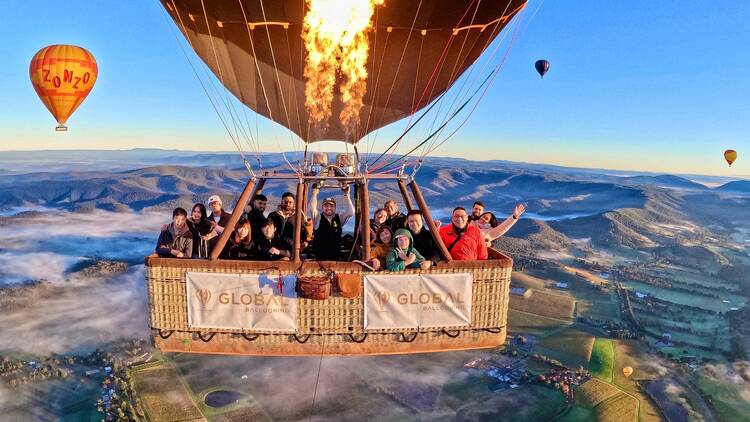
[657, 86]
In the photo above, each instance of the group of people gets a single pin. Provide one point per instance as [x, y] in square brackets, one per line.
[398, 241]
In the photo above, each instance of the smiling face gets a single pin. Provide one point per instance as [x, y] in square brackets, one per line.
[385, 236]
[329, 209]
[269, 230]
[381, 216]
[196, 214]
[485, 219]
[391, 207]
[402, 242]
[260, 205]
[179, 221]
[215, 207]
[243, 232]
[415, 223]
[287, 204]
[477, 210]
[459, 218]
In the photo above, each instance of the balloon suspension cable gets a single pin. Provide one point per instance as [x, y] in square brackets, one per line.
[415, 169]
[249, 167]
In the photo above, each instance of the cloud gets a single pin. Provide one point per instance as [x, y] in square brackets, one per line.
[76, 316]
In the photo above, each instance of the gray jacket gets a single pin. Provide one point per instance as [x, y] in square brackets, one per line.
[181, 241]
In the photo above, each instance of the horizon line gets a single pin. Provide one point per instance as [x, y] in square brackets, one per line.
[233, 152]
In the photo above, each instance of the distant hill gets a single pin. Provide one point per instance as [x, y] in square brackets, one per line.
[738, 186]
[529, 235]
[665, 180]
[615, 211]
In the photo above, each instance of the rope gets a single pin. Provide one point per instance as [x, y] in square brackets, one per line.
[276, 69]
[398, 67]
[200, 81]
[317, 378]
[494, 73]
[432, 75]
[408, 129]
[228, 102]
[453, 115]
[461, 94]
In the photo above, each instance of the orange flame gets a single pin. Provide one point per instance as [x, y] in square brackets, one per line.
[335, 36]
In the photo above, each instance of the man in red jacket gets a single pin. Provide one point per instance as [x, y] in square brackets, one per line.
[463, 240]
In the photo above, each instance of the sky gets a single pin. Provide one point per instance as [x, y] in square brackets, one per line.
[645, 86]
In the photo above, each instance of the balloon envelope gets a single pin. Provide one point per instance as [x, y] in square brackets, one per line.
[63, 76]
[730, 155]
[255, 48]
[542, 66]
[627, 371]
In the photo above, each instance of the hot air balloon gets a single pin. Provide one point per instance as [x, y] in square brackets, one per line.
[63, 76]
[389, 61]
[730, 155]
[627, 371]
[542, 66]
[256, 49]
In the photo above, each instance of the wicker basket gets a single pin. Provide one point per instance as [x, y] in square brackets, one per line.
[333, 326]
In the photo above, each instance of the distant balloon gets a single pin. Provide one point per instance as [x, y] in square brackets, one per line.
[730, 155]
[542, 66]
[63, 76]
[627, 371]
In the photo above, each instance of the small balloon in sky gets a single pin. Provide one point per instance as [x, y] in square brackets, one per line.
[730, 155]
[542, 66]
[62, 76]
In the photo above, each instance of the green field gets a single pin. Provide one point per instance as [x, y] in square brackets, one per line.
[577, 414]
[728, 402]
[602, 359]
[519, 321]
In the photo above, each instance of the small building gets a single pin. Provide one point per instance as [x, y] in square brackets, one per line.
[661, 345]
[560, 285]
[518, 291]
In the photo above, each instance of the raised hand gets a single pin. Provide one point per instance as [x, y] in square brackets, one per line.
[518, 210]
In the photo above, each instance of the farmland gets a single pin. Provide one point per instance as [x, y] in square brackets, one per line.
[602, 359]
[163, 395]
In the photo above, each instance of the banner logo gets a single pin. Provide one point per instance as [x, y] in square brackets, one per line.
[382, 298]
[203, 296]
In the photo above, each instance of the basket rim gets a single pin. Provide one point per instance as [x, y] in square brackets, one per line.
[496, 259]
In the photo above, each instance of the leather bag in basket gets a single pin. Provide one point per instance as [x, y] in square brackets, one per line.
[349, 285]
[314, 287]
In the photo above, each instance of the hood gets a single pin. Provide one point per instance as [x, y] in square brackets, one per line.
[403, 232]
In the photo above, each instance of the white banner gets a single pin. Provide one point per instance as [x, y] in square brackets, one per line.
[411, 301]
[242, 301]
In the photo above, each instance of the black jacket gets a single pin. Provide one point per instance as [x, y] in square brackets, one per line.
[262, 246]
[256, 219]
[284, 226]
[426, 245]
[397, 221]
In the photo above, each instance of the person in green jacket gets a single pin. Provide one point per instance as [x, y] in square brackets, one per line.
[403, 255]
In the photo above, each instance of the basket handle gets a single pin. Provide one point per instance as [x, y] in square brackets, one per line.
[406, 339]
[358, 340]
[304, 340]
[494, 330]
[206, 339]
[451, 334]
[250, 337]
[165, 334]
